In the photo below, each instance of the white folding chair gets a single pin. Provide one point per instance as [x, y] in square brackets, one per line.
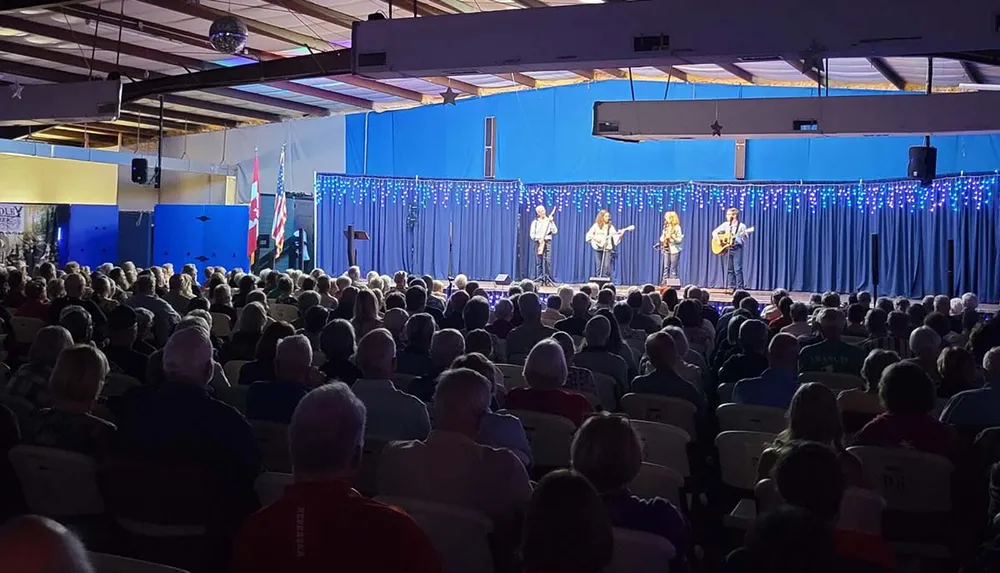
[221, 326]
[284, 312]
[117, 384]
[640, 552]
[106, 563]
[460, 536]
[513, 376]
[767, 496]
[270, 486]
[605, 390]
[57, 483]
[232, 370]
[751, 418]
[725, 391]
[658, 481]
[273, 441]
[235, 396]
[25, 328]
[550, 437]
[908, 480]
[655, 408]
[832, 380]
[739, 455]
[664, 445]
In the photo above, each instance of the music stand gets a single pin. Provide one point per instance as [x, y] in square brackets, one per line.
[352, 235]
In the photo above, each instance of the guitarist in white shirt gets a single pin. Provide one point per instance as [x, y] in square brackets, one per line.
[604, 239]
[542, 229]
[734, 254]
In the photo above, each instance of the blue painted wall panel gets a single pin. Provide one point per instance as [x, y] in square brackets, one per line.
[208, 235]
[92, 235]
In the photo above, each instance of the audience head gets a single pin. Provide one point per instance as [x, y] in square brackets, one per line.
[461, 400]
[187, 356]
[607, 451]
[799, 312]
[681, 344]
[874, 365]
[885, 305]
[416, 299]
[376, 355]
[78, 322]
[689, 311]
[395, 320]
[337, 340]
[545, 368]
[958, 368]
[293, 359]
[670, 298]
[813, 415]
[783, 352]
[581, 304]
[875, 322]
[970, 318]
[268, 343]
[527, 303]
[481, 364]
[553, 302]
[750, 305]
[831, 300]
[898, 323]
[906, 389]
[902, 303]
[606, 298]
[661, 350]
[54, 289]
[34, 544]
[622, 313]
[78, 376]
[326, 434]
[460, 281]
[476, 314]
[809, 475]
[916, 314]
[991, 367]
[419, 330]
[252, 319]
[569, 347]
[315, 319]
[925, 343]
[970, 301]
[789, 540]
[446, 345]
[307, 300]
[566, 528]
[734, 325]
[939, 323]
[865, 299]
[941, 304]
[197, 303]
[123, 326]
[504, 309]
[753, 336]
[777, 295]
[597, 332]
[831, 323]
[856, 313]
[35, 289]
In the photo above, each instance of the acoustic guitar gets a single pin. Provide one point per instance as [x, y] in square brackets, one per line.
[723, 241]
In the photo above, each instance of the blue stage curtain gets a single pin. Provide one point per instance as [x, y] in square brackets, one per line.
[813, 237]
[409, 221]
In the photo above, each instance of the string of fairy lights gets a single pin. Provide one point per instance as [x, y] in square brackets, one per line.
[954, 193]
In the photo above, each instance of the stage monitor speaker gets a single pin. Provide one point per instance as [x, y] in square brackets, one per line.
[923, 163]
[140, 170]
[502, 279]
[599, 281]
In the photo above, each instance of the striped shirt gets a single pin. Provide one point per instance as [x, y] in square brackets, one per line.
[897, 344]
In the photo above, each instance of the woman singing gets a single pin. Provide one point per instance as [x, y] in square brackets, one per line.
[670, 244]
[604, 239]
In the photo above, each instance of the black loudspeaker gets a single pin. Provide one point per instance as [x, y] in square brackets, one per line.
[923, 164]
[140, 171]
[263, 241]
[502, 279]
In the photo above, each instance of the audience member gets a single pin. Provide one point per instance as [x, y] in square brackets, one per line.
[275, 400]
[15, 294]
[475, 314]
[502, 315]
[326, 436]
[392, 414]
[888, 332]
[799, 313]
[33, 544]
[121, 355]
[179, 293]
[778, 383]
[415, 358]
[575, 324]
[551, 315]
[101, 295]
[978, 408]
[446, 345]
[262, 366]
[959, 372]
[394, 320]
[608, 452]
[908, 396]
[860, 405]
[751, 360]
[31, 381]
[35, 305]
[597, 356]
[222, 303]
[165, 318]
[566, 528]
[700, 338]
[545, 373]
[664, 380]
[242, 344]
[75, 285]
[690, 365]
[78, 322]
[337, 342]
[856, 315]
[832, 354]
[453, 317]
[366, 315]
[577, 379]
[523, 338]
[925, 347]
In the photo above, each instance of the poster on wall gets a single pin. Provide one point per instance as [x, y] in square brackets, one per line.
[28, 234]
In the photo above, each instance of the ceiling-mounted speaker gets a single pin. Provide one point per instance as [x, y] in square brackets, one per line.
[140, 170]
[923, 164]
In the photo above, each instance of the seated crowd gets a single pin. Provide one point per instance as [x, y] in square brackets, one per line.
[390, 392]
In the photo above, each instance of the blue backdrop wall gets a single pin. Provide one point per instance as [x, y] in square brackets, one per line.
[544, 136]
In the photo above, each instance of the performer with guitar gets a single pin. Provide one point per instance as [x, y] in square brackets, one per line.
[670, 245]
[604, 239]
[542, 229]
[728, 240]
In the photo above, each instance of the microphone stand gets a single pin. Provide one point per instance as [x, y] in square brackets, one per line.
[451, 259]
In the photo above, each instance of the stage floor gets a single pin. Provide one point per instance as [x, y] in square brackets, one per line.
[720, 296]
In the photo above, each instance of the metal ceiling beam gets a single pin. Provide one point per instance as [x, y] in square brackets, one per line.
[256, 26]
[972, 72]
[801, 67]
[457, 85]
[328, 15]
[193, 118]
[423, 9]
[531, 3]
[90, 40]
[674, 73]
[738, 72]
[385, 88]
[147, 122]
[890, 74]
[15, 5]
[297, 68]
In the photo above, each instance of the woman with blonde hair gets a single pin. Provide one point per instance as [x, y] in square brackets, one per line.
[366, 315]
[670, 245]
[604, 239]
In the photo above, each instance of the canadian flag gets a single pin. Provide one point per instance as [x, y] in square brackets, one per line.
[254, 210]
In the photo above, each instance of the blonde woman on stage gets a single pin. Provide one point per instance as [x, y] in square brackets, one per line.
[670, 245]
[604, 240]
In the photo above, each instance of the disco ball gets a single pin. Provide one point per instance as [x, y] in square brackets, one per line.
[228, 35]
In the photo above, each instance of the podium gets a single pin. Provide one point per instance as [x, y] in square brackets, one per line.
[353, 235]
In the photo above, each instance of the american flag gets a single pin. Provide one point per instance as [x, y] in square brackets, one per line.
[280, 209]
[253, 227]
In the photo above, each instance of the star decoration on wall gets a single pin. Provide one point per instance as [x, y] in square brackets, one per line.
[449, 96]
[716, 128]
[15, 90]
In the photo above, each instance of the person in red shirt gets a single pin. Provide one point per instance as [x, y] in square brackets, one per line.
[908, 396]
[35, 305]
[321, 524]
[545, 372]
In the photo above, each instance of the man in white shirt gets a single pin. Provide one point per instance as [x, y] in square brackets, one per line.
[449, 466]
[392, 414]
[734, 256]
[542, 229]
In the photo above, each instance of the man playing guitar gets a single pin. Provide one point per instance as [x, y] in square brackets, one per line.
[604, 239]
[542, 229]
[728, 240]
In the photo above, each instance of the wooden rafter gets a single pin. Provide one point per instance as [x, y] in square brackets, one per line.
[588, 74]
[614, 72]
[139, 109]
[328, 15]
[255, 26]
[385, 88]
[18, 5]
[673, 72]
[532, 3]
[890, 74]
[457, 85]
[738, 72]
[972, 72]
[801, 67]
[520, 79]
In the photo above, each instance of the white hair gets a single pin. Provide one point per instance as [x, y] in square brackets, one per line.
[991, 364]
[831, 318]
[461, 280]
[924, 339]
[461, 394]
[252, 319]
[293, 357]
[187, 356]
[326, 430]
[970, 300]
[545, 367]
[957, 306]
[566, 293]
[942, 304]
[354, 273]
